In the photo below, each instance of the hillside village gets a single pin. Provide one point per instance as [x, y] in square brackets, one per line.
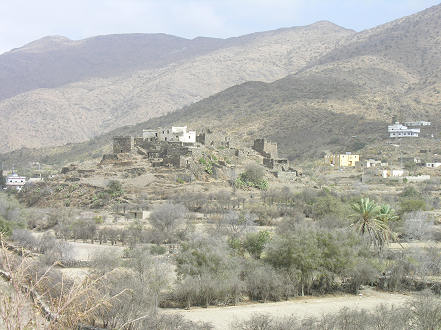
[287, 179]
[192, 152]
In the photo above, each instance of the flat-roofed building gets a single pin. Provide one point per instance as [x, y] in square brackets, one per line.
[15, 181]
[397, 130]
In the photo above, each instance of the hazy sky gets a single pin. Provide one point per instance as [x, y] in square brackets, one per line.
[22, 21]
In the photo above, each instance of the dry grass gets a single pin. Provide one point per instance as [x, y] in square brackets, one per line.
[40, 300]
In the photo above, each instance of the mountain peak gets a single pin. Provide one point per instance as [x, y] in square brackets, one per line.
[45, 44]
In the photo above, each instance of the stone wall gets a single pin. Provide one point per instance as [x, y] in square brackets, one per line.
[266, 148]
[276, 164]
[123, 144]
[214, 139]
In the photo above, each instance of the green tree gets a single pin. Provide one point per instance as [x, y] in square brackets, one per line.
[300, 252]
[372, 220]
[255, 243]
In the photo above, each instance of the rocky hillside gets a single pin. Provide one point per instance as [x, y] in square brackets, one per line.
[105, 95]
[339, 101]
[54, 61]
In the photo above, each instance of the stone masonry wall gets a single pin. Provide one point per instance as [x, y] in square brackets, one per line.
[122, 144]
[266, 148]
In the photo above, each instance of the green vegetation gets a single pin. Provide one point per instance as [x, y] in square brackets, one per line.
[207, 163]
[411, 205]
[112, 192]
[254, 243]
[5, 227]
[157, 250]
[373, 220]
[253, 177]
[11, 215]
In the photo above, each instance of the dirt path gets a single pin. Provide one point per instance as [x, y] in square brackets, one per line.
[86, 251]
[221, 317]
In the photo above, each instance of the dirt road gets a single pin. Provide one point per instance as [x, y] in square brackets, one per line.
[221, 317]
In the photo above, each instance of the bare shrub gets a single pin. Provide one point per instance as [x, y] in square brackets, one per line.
[168, 219]
[417, 226]
[53, 250]
[425, 311]
[235, 224]
[25, 239]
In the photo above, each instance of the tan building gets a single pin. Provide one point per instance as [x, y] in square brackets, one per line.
[342, 160]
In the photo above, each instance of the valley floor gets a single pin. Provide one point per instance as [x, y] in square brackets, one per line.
[221, 317]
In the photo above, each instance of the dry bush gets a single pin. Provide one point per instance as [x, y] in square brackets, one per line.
[422, 312]
[63, 303]
[417, 226]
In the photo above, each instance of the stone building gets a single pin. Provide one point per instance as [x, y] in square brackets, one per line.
[215, 139]
[279, 167]
[266, 148]
[276, 164]
[123, 144]
[161, 153]
[174, 155]
[150, 134]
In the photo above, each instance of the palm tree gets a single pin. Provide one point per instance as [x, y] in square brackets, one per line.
[387, 214]
[372, 219]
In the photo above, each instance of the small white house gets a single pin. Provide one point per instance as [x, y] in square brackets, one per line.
[15, 181]
[392, 173]
[375, 163]
[433, 165]
[397, 130]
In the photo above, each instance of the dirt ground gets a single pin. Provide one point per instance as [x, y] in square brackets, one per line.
[86, 251]
[221, 317]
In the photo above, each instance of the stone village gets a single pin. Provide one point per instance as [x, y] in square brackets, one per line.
[177, 147]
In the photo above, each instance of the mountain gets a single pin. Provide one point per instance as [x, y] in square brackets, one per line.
[345, 98]
[99, 84]
[340, 100]
[55, 60]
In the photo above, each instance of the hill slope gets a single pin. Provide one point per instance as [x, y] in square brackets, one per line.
[81, 110]
[339, 101]
[54, 61]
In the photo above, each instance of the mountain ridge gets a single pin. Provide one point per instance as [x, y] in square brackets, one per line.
[97, 105]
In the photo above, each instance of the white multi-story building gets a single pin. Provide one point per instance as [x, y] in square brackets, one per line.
[171, 134]
[397, 130]
[418, 123]
[15, 181]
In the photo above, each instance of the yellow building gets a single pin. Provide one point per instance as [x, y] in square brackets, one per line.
[342, 160]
